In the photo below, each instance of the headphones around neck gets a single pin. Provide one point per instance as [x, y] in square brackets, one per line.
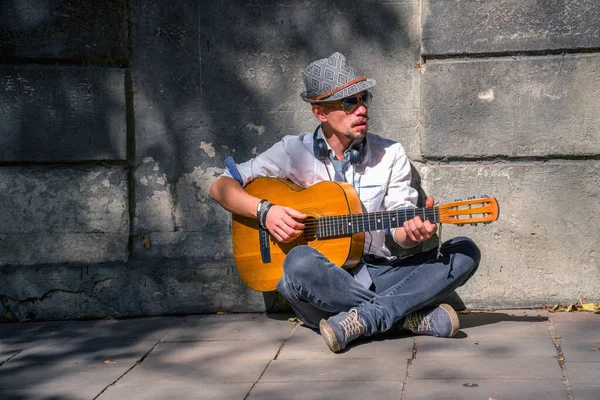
[357, 151]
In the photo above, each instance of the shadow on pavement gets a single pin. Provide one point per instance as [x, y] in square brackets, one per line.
[487, 318]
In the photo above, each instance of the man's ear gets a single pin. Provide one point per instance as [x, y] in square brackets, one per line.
[320, 112]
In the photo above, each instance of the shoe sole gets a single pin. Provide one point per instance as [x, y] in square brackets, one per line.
[453, 319]
[329, 336]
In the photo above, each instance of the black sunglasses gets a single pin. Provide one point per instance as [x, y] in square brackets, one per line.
[349, 104]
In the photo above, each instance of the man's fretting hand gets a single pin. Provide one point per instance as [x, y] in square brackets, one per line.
[282, 223]
[418, 231]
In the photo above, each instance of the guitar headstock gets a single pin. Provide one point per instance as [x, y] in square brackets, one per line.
[471, 211]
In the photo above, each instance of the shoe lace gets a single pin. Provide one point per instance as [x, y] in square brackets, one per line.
[418, 323]
[352, 326]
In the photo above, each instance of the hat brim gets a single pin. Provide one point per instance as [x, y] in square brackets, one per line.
[342, 94]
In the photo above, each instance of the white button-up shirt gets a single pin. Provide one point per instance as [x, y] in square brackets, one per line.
[382, 180]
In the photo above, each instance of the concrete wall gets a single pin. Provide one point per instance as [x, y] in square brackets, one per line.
[115, 120]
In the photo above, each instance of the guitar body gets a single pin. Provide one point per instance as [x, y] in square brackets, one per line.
[335, 226]
[320, 200]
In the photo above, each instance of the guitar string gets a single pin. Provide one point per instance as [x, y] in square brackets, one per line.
[339, 224]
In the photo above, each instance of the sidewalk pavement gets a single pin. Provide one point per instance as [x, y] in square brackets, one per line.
[507, 354]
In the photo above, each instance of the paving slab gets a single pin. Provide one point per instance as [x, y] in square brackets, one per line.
[6, 354]
[230, 327]
[50, 393]
[586, 392]
[141, 329]
[343, 369]
[197, 391]
[307, 344]
[506, 324]
[578, 330]
[191, 375]
[482, 368]
[28, 326]
[578, 335]
[499, 389]
[344, 390]
[82, 351]
[189, 364]
[586, 350]
[96, 375]
[16, 341]
[214, 352]
[586, 373]
[571, 317]
[485, 347]
[15, 337]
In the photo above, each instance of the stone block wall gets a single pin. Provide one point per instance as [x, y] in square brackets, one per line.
[509, 90]
[116, 118]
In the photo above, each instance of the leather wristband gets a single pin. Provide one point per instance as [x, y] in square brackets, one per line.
[260, 207]
[263, 217]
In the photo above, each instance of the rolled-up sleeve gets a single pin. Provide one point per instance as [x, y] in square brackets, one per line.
[272, 163]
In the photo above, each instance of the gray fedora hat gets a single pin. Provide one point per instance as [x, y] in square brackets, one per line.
[332, 78]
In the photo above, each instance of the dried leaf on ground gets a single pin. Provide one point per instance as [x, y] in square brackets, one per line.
[293, 319]
[110, 362]
[589, 307]
[581, 307]
[557, 336]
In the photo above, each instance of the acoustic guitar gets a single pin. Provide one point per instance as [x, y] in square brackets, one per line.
[335, 226]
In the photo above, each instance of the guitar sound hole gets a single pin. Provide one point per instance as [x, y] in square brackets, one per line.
[310, 229]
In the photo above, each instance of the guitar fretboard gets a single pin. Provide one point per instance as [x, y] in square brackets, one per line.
[340, 225]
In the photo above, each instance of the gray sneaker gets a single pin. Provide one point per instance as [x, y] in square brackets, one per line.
[439, 321]
[341, 329]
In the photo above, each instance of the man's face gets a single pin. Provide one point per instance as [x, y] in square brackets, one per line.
[348, 117]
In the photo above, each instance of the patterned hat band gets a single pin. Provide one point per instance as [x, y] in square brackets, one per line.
[337, 89]
[331, 79]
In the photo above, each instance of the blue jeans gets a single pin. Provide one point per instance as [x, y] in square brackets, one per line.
[317, 288]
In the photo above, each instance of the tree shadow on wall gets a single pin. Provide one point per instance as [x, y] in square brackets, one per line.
[214, 79]
[63, 138]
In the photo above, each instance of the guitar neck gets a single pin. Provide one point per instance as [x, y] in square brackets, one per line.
[339, 225]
